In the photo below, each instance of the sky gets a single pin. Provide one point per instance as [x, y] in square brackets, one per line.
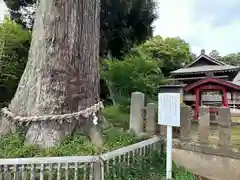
[204, 24]
[2, 9]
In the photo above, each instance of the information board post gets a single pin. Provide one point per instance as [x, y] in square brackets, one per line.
[169, 153]
[169, 100]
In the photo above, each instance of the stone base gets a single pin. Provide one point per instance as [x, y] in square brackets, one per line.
[210, 166]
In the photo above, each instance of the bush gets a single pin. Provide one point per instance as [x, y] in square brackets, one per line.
[76, 145]
[134, 73]
[151, 167]
[117, 117]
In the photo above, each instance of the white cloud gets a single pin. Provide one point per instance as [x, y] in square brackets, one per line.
[178, 18]
[174, 17]
[3, 10]
[181, 18]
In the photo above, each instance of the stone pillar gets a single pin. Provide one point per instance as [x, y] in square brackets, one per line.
[203, 125]
[150, 119]
[224, 127]
[185, 122]
[136, 112]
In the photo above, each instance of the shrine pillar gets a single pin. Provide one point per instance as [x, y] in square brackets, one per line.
[225, 99]
[197, 93]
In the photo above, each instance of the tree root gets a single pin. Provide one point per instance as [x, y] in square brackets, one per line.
[48, 134]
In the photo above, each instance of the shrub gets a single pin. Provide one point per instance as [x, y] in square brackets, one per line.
[117, 117]
[76, 145]
[134, 73]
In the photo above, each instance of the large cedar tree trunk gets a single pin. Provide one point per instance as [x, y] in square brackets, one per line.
[62, 73]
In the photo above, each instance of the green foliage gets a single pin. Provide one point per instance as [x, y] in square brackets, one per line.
[77, 144]
[152, 167]
[13, 146]
[232, 59]
[170, 53]
[123, 23]
[117, 117]
[134, 73]
[14, 43]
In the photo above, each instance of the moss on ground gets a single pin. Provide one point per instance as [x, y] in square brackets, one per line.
[236, 136]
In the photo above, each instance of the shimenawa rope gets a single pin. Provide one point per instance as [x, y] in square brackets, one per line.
[90, 111]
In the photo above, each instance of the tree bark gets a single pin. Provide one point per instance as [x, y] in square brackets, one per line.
[62, 73]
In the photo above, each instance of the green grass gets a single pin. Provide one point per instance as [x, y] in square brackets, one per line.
[236, 119]
[114, 137]
[117, 117]
[151, 168]
[236, 136]
[236, 132]
[213, 134]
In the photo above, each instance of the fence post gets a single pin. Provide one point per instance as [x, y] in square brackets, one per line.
[224, 127]
[203, 125]
[185, 122]
[98, 171]
[136, 112]
[150, 119]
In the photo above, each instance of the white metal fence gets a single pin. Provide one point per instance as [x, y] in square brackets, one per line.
[105, 166]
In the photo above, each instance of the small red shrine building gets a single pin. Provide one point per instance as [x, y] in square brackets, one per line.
[209, 82]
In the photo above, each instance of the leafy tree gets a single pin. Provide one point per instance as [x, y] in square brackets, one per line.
[194, 56]
[214, 54]
[232, 59]
[14, 43]
[22, 11]
[61, 75]
[123, 23]
[134, 73]
[170, 53]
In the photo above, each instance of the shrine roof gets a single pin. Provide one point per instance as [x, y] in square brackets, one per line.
[213, 81]
[204, 63]
[206, 68]
[208, 58]
[236, 80]
[172, 86]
